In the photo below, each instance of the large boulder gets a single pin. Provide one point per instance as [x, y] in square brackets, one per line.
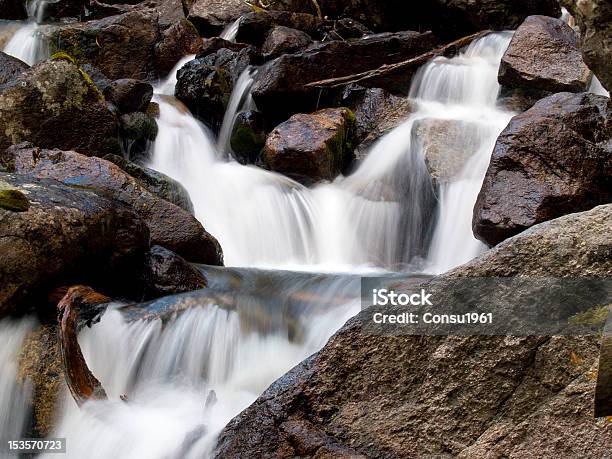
[13, 10]
[594, 18]
[69, 234]
[372, 395]
[211, 16]
[543, 58]
[55, 105]
[552, 160]
[121, 46]
[253, 28]
[129, 95]
[280, 90]
[169, 225]
[284, 40]
[11, 69]
[205, 84]
[311, 148]
[178, 40]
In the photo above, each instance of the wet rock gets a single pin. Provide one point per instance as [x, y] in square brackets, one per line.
[96, 75]
[211, 16]
[311, 148]
[56, 106]
[11, 69]
[248, 136]
[594, 18]
[156, 182]
[137, 130]
[447, 396]
[255, 27]
[169, 225]
[170, 273]
[283, 40]
[280, 88]
[552, 160]
[129, 95]
[57, 10]
[69, 234]
[181, 39]
[543, 58]
[214, 44]
[120, 46]
[13, 10]
[346, 28]
[205, 84]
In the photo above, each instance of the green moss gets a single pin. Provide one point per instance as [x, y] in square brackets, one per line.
[595, 316]
[63, 56]
[190, 25]
[91, 84]
[13, 199]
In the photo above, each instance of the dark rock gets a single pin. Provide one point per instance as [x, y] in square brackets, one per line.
[120, 46]
[176, 41]
[283, 40]
[129, 95]
[280, 87]
[56, 106]
[552, 160]
[446, 396]
[594, 18]
[69, 234]
[345, 29]
[248, 136]
[255, 27]
[56, 10]
[169, 225]
[205, 85]
[157, 183]
[137, 130]
[13, 10]
[543, 58]
[211, 16]
[170, 273]
[11, 69]
[96, 75]
[214, 44]
[311, 148]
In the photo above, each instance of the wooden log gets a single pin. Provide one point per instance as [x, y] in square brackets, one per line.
[82, 383]
[396, 78]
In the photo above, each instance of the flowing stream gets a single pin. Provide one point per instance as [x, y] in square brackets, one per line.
[185, 378]
[28, 43]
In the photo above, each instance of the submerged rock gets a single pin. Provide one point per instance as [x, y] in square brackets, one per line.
[594, 18]
[447, 396]
[543, 58]
[283, 40]
[169, 225]
[311, 148]
[69, 234]
[552, 160]
[55, 105]
[121, 46]
[248, 136]
[129, 95]
[280, 90]
[211, 16]
[156, 182]
[170, 273]
[11, 69]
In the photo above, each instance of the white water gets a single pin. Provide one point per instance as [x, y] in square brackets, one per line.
[191, 377]
[14, 395]
[28, 44]
[378, 217]
[230, 31]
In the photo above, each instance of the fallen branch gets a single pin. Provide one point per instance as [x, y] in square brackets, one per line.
[82, 383]
[387, 75]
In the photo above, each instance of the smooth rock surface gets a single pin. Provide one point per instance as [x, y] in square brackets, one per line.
[552, 160]
[284, 40]
[129, 95]
[170, 274]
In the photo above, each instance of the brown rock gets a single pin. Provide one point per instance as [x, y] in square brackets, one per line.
[311, 148]
[169, 225]
[211, 16]
[176, 41]
[55, 105]
[169, 273]
[283, 40]
[552, 160]
[255, 27]
[13, 10]
[129, 95]
[543, 57]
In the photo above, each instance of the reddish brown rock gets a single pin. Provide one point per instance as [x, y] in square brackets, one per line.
[179, 40]
[283, 40]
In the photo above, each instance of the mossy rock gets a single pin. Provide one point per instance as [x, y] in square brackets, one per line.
[13, 199]
[248, 136]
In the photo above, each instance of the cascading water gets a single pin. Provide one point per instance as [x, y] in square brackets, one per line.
[230, 31]
[27, 44]
[187, 378]
[378, 217]
[14, 395]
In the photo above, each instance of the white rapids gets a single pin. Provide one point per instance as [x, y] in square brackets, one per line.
[27, 43]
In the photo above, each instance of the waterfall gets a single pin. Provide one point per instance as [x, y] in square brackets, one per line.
[379, 217]
[14, 395]
[187, 378]
[230, 31]
[28, 44]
